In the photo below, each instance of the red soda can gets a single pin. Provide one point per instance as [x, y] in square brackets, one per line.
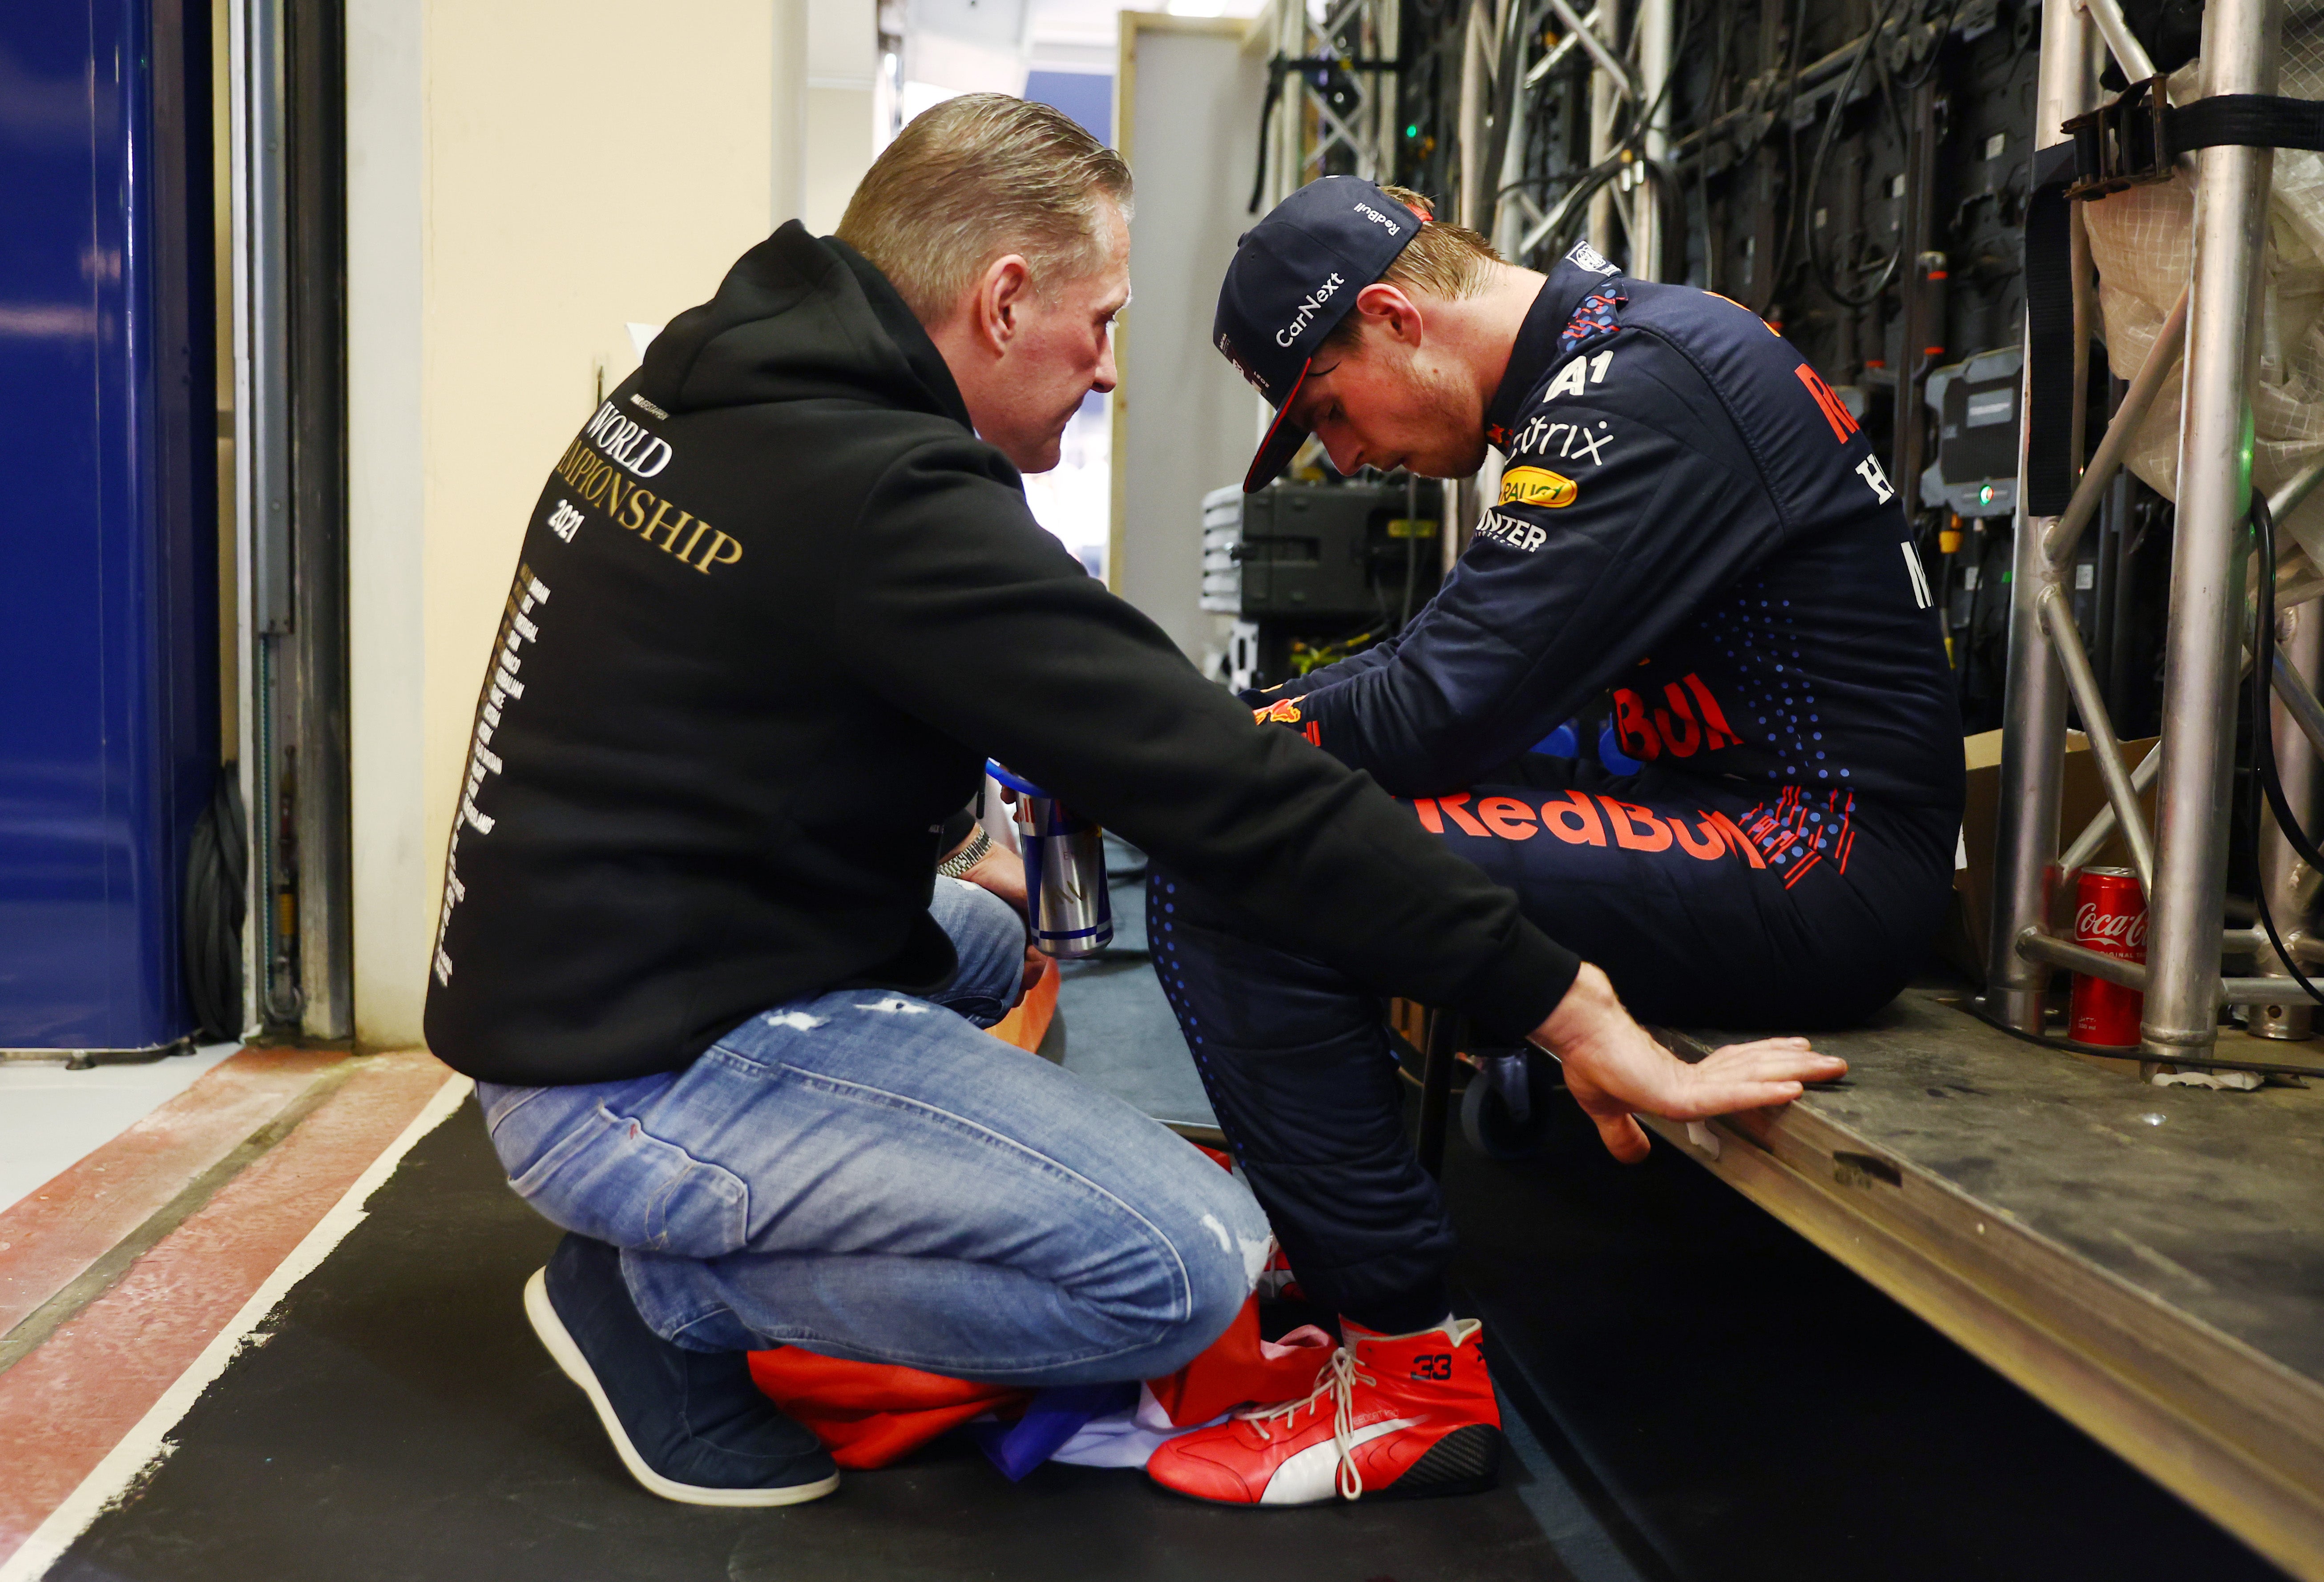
[2111, 918]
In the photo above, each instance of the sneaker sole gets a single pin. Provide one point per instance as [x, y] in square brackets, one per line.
[568, 1356]
[1466, 1461]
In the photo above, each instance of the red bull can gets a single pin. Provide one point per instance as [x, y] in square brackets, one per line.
[2111, 918]
[1067, 905]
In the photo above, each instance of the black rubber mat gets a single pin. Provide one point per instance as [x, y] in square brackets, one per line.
[1720, 1401]
[1119, 1034]
[398, 1422]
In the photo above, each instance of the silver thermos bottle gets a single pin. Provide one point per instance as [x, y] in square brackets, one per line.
[1067, 901]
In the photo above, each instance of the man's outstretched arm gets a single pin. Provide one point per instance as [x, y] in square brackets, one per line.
[1616, 1071]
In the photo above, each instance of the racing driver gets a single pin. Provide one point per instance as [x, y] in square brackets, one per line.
[1688, 520]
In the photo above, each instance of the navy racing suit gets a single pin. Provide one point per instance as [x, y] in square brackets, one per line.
[1689, 523]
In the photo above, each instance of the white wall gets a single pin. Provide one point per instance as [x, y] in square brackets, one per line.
[524, 178]
[386, 252]
[843, 57]
[1186, 118]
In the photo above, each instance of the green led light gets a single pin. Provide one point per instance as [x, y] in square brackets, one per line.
[1984, 495]
[1412, 130]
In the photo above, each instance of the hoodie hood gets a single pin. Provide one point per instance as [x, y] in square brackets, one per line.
[799, 318]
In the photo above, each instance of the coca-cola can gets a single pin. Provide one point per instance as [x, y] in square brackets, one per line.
[2111, 918]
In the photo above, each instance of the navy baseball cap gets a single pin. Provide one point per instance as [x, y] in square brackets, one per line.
[1294, 275]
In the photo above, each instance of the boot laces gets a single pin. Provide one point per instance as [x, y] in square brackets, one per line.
[1338, 1382]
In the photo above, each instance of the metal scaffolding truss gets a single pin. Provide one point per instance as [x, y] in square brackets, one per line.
[2181, 863]
[1331, 90]
[1517, 50]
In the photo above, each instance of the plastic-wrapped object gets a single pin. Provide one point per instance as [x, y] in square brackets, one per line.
[2142, 240]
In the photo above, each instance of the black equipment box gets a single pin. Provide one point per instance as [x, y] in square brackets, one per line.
[1313, 552]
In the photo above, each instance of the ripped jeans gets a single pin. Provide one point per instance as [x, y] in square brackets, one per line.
[869, 1175]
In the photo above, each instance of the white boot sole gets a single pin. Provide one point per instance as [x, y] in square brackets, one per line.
[567, 1354]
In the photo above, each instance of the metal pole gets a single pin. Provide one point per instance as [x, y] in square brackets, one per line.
[1440, 1048]
[262, 449]
[1387, 87]
[2128, 52]
[1290, 129]
[314, 717]
[1506, 216]
[1605, 97]
[2293, 694]
[1648, 245]
[2033, 705]
[2102, 823]
[1470, 208]
[2199, 666]
[2129, 416]
[2122, 793]
[2291, 887]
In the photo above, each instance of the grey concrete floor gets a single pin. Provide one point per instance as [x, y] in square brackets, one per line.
[1119, 1033]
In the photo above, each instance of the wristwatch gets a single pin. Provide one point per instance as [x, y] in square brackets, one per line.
[957, 866]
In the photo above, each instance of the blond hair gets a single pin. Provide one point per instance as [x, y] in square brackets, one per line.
[977, 177]
[1442, 260]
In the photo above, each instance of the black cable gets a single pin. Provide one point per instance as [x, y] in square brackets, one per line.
[1620, 156]
[217, 899]
[1792, 211]
[1266, 117]
[1505, 88]
[1708, 113]
[1720, 51]
[1928, 69]
[1817, 264]
[2268, 779]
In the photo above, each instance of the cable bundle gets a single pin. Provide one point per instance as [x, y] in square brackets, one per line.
[218, 877]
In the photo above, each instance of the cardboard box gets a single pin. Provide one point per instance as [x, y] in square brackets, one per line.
[1969, 924]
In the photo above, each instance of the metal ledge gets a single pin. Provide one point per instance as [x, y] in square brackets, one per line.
[2088, 1314]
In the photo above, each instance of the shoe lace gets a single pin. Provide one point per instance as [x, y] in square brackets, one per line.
[1337, 1383]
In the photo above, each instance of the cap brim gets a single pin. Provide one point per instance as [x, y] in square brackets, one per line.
[1284, 438]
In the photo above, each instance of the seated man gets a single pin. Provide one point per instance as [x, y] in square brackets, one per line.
[1690, 519]
[777, 601]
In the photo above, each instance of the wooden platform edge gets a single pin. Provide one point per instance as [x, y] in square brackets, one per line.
[2234, 1433]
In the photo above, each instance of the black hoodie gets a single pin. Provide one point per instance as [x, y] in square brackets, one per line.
[776, 606]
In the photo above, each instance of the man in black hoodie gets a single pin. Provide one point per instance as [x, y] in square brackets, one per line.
[777, 602]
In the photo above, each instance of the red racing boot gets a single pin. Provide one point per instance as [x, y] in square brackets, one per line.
[1391, 1416]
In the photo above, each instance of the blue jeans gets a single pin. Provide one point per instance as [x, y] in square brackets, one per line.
[867, 1174]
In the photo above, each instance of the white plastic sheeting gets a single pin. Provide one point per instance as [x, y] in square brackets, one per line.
[2142, 241]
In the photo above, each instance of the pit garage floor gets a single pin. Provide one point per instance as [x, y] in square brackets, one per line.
[308, 1360]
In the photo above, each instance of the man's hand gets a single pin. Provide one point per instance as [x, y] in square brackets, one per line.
[999, 870]
[1616, 1071]
[1002, 872]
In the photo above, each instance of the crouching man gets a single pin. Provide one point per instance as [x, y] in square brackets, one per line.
[1690, 521]
[775, 606]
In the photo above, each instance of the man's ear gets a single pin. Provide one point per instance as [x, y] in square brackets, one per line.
[997, 303]
[1389, 310]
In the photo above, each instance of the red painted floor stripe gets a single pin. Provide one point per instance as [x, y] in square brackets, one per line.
[47, 1240]
[66, 1405]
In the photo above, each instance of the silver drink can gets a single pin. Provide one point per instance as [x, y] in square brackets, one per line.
[1069, 907]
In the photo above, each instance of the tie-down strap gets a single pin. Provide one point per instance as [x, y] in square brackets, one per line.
[2135, 137]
